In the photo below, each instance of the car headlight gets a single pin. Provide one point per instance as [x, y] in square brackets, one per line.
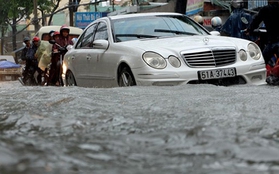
[243, 55]
[64, 68]
[154, 60]
[174, 61]
[254, 51]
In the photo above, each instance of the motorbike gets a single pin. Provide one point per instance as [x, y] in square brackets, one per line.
[30, 76]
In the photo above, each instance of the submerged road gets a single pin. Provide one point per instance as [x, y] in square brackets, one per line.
[200, 129]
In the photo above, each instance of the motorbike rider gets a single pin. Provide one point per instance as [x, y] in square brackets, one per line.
[27, 43]
[56, 35]
[59, 48]
[28, 54]
[198, 19]
[267, 15]
[38, 73]
[237, 22]
[44, 56]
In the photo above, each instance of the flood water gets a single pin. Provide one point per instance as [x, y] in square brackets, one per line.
[200, 129]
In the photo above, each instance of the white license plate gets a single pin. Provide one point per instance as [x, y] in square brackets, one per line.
[8, 77]
[217, 73]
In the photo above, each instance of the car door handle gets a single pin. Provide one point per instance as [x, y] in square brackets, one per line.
[88, 57]
[73, 57]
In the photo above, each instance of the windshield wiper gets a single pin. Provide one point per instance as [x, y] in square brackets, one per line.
[174, 31]
[139, 36]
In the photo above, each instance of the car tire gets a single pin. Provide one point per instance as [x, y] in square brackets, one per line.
[126, 78]
[70, 79]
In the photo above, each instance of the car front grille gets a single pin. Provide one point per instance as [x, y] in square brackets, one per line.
[210, 57]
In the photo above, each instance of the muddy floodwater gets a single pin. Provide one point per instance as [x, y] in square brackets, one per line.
[197, 129]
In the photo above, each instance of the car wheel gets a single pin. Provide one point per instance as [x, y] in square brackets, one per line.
[70, 79]
[126, 78]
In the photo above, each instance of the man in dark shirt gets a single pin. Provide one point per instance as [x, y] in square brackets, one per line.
[268, 15]
[238, 20]
[28, 54]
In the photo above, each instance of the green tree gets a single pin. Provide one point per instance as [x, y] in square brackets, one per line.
[47, 9]
[13, 11]
[3, 27]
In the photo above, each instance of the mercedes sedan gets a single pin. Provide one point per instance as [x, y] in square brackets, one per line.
[159, 49]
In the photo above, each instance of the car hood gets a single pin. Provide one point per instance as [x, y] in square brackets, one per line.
[178, 44]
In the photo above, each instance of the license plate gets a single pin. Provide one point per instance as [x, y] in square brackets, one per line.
[217, 73]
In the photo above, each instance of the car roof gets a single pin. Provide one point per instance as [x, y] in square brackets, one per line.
[47, 29]
[143, 14]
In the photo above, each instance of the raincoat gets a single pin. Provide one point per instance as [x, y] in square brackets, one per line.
[238, 21]
[44, 54]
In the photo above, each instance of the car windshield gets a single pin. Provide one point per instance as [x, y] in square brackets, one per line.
[127, 29]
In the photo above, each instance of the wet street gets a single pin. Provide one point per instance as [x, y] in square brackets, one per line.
[197, 129]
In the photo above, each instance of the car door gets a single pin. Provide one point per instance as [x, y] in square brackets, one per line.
[82, 54]
[98, 61]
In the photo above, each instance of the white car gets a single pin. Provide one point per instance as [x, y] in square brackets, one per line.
[158, 49]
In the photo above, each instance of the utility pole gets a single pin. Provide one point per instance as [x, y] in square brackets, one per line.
[35, 20]
[71, 13]
[181, 6]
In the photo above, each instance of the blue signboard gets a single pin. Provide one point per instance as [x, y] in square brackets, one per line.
[82, 19]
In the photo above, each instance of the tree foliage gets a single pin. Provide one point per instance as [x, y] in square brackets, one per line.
[13, 11]
[47, 9]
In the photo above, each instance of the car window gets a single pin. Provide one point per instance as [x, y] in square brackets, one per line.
[86, 39]
[101, 33]
[126, 29]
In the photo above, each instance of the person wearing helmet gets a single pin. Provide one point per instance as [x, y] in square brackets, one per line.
[59, 49]
[36, 39]
[36, 42]
[28, 54]
[56, 35]
[51, 34]
[64, 31]
[27, 45]
[38, 73]
[26, 39]
[238, 21]
[198, 19]
[216, 23]
[268, 15]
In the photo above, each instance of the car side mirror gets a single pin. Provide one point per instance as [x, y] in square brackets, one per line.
[100, 44]
[215, 33]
